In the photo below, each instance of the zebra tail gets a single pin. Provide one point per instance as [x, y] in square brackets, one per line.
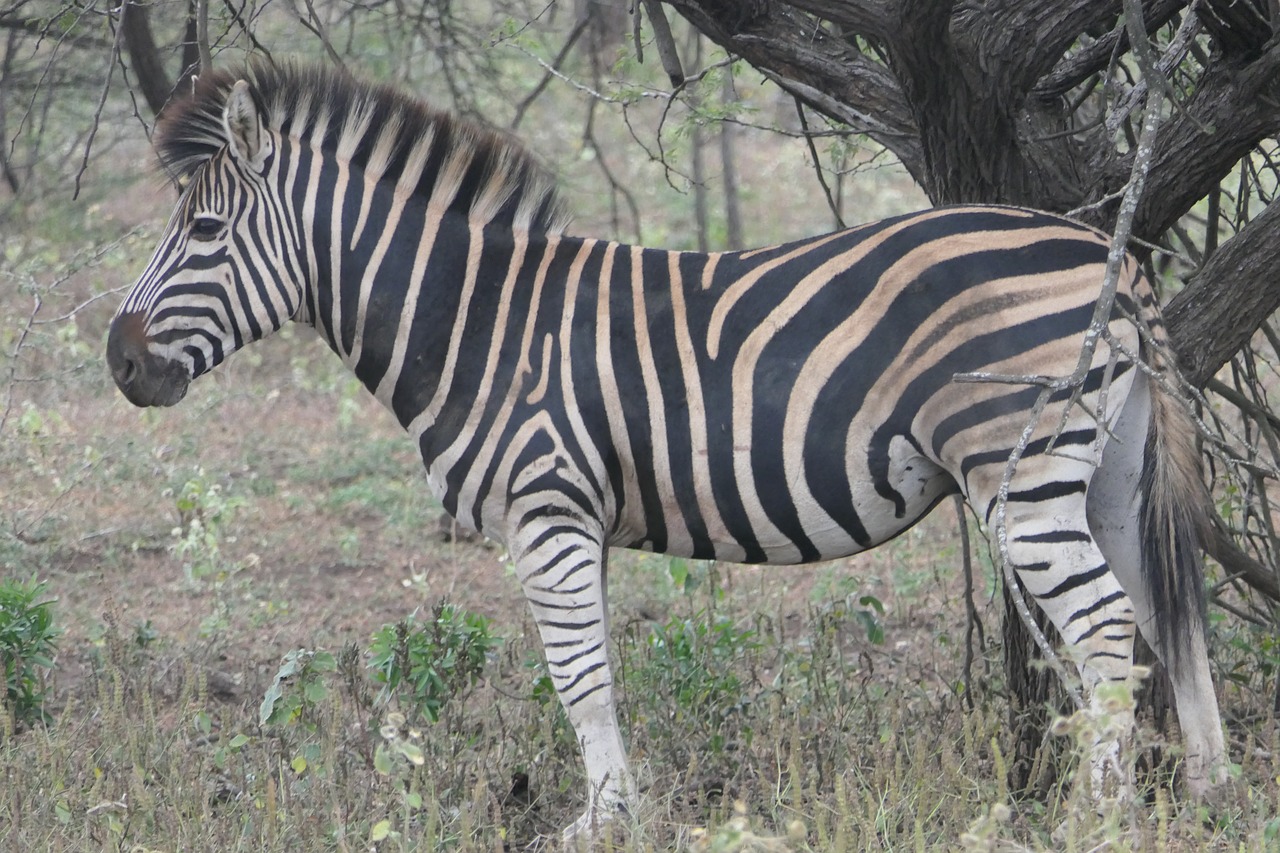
[1175, 522]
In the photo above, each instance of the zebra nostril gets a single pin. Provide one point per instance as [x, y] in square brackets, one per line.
[127, 349]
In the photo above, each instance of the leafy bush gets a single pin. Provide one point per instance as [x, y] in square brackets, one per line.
[431, 661]
[28, 641]
[693, 667]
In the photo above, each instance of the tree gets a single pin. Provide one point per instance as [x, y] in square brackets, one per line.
[1039, 104]
[1016, 103]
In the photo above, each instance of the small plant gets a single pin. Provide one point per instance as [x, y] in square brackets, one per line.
[144, 634]
[694, 663]
[28, 641]
[298, 687]
[866, 615]
[431, 661]
[203, 514]
[292, 706]
[697, 655]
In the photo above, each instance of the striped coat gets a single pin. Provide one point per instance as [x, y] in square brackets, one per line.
[785, 405]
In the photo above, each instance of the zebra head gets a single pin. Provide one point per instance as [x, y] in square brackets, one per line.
[219, 278]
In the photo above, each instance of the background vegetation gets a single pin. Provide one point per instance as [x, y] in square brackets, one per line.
[259, 635]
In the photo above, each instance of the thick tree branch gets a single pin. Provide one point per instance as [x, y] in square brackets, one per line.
[1240, 28]
[1220, 308]
[144, 56]
[666, 44]
[871, 19]
[826, 71]
[1095, 57]
[1240, 106]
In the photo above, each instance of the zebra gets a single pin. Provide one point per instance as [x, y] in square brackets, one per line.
[785, 405]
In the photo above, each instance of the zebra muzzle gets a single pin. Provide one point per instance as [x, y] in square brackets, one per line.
[144, 378]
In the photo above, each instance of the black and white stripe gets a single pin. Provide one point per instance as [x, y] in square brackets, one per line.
[785, 405]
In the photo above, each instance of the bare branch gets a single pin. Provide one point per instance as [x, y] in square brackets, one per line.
[527, 101]
[817, 165]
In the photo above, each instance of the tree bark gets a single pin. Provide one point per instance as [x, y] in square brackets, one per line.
[970, 101]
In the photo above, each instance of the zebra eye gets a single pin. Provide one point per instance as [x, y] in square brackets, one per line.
[205, 228]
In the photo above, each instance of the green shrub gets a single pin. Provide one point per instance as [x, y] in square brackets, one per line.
[428, 662]
[693, 667]
[28, 641]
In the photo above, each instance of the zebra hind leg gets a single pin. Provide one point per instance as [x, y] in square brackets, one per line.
[1061, 566]
[562, 573]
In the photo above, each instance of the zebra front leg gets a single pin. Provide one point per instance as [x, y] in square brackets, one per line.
[563, 577]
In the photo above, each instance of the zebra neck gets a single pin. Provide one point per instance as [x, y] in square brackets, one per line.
[486, 350]
[384, 299]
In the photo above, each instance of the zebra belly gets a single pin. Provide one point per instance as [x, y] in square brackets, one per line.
[780, 522]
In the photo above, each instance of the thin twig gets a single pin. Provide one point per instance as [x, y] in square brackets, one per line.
[817, 164]
[527, 100]
[83, 305]
[97, 113]
[313, 23]
[13, 360]
[1096, 331]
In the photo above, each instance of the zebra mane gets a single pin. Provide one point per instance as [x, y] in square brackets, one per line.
[391, 136]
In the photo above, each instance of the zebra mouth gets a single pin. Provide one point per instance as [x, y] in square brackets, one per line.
[144, 378]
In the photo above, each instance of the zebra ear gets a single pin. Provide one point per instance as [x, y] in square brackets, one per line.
[247, 135]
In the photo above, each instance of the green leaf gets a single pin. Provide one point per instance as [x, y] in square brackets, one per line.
[382, 761]
[679, 571]
[314, 691]
[269, 700]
